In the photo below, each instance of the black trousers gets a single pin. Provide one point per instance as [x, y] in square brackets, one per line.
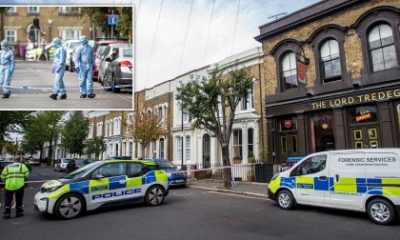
[19, 197]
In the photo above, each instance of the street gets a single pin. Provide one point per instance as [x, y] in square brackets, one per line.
[190, 213]
[32, 83]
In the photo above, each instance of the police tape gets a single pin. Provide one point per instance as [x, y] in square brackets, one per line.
[50, 89]
[237, 166]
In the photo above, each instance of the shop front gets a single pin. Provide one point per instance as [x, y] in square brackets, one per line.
[344, 121]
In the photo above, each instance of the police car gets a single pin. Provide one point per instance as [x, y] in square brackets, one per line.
[103, 183]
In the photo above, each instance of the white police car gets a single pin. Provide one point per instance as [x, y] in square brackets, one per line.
[103, 183]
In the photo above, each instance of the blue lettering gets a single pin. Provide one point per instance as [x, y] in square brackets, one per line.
[96, 196]
[117, 194]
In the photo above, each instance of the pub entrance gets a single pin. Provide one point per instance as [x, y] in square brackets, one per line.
[364, 127]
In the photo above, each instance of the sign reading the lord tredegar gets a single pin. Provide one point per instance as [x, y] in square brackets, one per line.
[357, 99]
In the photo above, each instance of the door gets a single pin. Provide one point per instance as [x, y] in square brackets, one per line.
[312, 182]
[365, 137]
[206, 151]
[134, 185]
[348, 174]
[108, 183]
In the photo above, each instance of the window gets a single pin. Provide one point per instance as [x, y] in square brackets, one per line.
[154, 149]
[99, 129]
[90, 132]
[330, 61]
[70, 34]
[322, 134]
[11, 35]
[250, 142]
[160, 113]
[289, 144]
[310, 166]
[237, 143]
[69, 10]
[187, 149]
[33, 9]
[381, 47]
[289, 70]
[179, 148]
[248, 102]
[130, 152]
[134, 170]
[161, 147]
[11, 9]
[113, 169]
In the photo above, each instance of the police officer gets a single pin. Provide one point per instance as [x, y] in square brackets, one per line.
[14, 176]
[7, 65]
[85, 61]
[58, 68]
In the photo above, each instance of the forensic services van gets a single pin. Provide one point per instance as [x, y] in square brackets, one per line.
[103, 183]
[365, 180]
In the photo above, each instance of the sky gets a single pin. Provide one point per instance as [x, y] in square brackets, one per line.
[162, 52]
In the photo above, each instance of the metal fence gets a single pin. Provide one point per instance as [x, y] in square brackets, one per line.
[240, 172]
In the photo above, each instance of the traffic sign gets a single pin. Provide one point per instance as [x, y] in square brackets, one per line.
[112, 19]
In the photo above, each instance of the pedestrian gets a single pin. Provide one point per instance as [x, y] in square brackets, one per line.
[7, 66]
[84, 62]
[14, 176]
[58, 68]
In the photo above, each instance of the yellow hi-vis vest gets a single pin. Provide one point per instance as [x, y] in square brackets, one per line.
[14, 176]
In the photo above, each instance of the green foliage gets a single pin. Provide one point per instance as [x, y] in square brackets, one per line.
[124, 26]
[13, 121]
[11, 148]
[95, 146]
[75, 132]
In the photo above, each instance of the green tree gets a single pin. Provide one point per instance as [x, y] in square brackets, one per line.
[124, 26]
[95, 146]
[13, 122]
[74, 133]
[146, 129]
[53, 120]
[11, 148]
[211, 103]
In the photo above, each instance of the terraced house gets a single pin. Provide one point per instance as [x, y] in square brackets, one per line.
[332, 74]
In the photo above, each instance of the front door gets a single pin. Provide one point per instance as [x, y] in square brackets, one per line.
[365, 137]
[206, 151]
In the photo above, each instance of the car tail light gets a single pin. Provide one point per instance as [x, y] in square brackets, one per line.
[125, 63]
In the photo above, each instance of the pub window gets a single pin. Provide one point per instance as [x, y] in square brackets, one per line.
[322, 134]
[363, 114]
[289, 70]
[288, 124]
[330, 61]
[381, 47]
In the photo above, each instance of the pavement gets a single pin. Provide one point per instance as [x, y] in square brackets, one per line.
[250, 189]
[32, 83]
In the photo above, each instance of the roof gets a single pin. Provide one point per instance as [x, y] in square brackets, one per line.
[303, 16]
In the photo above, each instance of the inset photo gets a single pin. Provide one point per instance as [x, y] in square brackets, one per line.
[65, 57]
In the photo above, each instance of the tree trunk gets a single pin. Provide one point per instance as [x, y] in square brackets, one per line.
[1, 25]
[227, 174]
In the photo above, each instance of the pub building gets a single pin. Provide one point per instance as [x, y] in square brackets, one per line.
[332, 78]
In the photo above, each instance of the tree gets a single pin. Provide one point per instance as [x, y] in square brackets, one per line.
[53, 120]
[13, 122]
[74, 133]
[146, 129]
[212, 104]
[11, 148]
[95, 146]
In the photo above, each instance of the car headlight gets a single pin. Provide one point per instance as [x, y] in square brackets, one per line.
[51, 189]
[275, 176]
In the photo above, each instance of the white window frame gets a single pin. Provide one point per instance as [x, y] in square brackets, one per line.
[29, 9]
[179, 148]
[188, 149]
[7, 30]
[12, 10]
[76, 33]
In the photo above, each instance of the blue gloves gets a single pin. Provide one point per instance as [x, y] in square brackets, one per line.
[77, 70]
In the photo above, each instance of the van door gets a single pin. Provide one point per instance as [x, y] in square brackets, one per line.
[312, 181]
[347, 169]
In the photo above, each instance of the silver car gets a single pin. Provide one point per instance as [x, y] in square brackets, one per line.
[105, 59]
[119, 71]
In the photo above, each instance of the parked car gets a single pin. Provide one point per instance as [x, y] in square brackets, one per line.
[71, 166]
[100, 184]
[34, 161]
[81, 162]
[175, 177]
[118, 72]
[69, 46]
[98, 50]
[61, 164]
[105, 58]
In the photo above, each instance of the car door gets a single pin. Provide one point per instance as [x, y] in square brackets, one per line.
[134, 183]
[108, 183]
[312, 182]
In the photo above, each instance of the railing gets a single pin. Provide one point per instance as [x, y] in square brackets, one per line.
[239, 172]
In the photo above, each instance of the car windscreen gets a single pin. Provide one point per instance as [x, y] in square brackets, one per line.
[127, 52]
[66, 160]
[166, 164]
[82, 171]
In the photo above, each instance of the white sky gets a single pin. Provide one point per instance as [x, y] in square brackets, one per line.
[164, 64]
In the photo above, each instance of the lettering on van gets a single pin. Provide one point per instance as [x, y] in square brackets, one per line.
[369, 161]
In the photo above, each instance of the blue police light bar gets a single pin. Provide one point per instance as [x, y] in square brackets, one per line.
[67, 2]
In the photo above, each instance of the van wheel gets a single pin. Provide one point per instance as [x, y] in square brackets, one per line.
[285, 199]
[381, 211]
[155, 195]
[69, 206]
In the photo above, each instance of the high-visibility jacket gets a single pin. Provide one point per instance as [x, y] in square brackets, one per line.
[14, 176]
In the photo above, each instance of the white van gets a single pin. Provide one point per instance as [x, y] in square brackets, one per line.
[365, 180]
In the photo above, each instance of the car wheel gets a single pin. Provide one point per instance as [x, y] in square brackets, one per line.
[69, 206]
[155, 195]
[285, 199]
[114, 88]
[381, 211]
